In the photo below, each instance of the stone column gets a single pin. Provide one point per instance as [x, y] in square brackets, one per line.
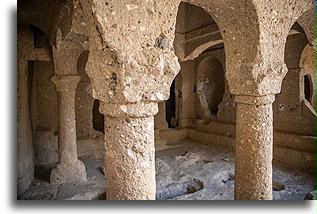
[25, 163]
[254, 148]
[160, 117]
[69, 168]
[130, 151]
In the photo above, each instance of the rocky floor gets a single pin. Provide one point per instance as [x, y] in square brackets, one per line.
[185, 170]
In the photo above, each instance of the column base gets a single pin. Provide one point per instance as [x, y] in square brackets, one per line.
[68, 173]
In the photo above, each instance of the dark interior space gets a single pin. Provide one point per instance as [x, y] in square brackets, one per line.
[171, 106]
[98, 118]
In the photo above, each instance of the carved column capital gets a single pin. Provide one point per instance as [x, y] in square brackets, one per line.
[259, 78]
[251, 100]
[129, 110]
[65, 83]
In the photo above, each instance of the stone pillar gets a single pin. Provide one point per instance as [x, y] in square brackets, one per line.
[254, 148]
[188, 95]
[130, 151]
[69, 168]
[25, 157]
[160, 117]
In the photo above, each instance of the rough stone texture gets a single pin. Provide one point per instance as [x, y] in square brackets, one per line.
[84, 101]
[47, 15]
[195, 31]
[307, 64]
[71, 46]
[131, 64]
[178, 99]
[185, 170]
[133, 67]
[45, 147]
[129, 157]
[210, 86]
[43, 97]
[260, 74]
[25, 167]
[45, 123]
[128, 73]
[219, 133]
[91, 147]
[68, 172]
[308, 25]
[254, 148]
[262, 66]
[25, 157]
[69, 168]
[160, 118]
[93, 189]
[260, 71]
[188, 97]
[290, 103]
[27, 54]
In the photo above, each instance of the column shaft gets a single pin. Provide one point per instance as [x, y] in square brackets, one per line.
[253, 151]
[130, 158]
[67, 146]
[69, 169]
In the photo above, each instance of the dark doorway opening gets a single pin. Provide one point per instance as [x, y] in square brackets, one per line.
[307, 88]
[98, 118]
[171, 106]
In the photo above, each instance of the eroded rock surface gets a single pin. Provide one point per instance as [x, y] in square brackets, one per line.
[185, 170]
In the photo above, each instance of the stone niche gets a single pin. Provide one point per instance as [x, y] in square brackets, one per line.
[210, 86]
[44, 113]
